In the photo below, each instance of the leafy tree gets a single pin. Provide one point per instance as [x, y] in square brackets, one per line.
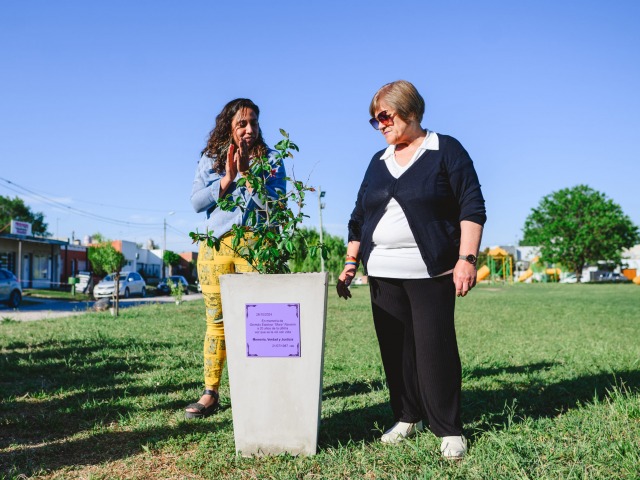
[577, 226]
[99, 238]
[171, 258]
[106, 259]
[16, 209]
[334, 252]
[275, 227]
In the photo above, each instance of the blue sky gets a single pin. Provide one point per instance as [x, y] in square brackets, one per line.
[106, 105]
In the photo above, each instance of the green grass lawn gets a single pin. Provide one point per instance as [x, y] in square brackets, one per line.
[55, 294]
[551, 389]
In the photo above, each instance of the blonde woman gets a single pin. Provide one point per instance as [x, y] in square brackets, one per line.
[416, 227]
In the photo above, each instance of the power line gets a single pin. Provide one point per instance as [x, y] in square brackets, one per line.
[76, 211]
[100, 204]
[177, 230]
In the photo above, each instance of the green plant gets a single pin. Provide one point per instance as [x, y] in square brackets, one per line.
[106, 259]
[334, 250]
[171, 258]
[273, 231]
[176, 290]
[16, 209]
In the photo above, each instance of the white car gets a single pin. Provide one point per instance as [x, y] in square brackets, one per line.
[131, 283]
[10, 289]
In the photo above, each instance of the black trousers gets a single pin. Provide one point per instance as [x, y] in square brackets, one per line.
[414, 321]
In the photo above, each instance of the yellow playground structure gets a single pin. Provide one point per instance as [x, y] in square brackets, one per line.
[535, 266]
[499, 266]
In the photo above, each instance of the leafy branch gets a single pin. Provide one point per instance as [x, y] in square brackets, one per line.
[271, 234]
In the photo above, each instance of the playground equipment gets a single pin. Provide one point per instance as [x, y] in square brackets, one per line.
[553, 274]
[547, 274]
[525, 275]
[482, 273]
[500, 265]
[632, 274]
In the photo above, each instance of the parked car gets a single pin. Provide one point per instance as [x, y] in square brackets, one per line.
[612, 277]
[10, 289]
[131, 283]
[164, 289]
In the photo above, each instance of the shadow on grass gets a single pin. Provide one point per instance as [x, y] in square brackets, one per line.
[537, 398]
[55, 389]
[346, 389]
[96, 449]
[485, 409]
[510, 369]
[364, 424]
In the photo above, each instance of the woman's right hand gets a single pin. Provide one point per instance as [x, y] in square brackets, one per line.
[344, 280]
[231, 168]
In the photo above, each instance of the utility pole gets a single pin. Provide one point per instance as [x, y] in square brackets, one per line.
[320, 207]
[164, 242]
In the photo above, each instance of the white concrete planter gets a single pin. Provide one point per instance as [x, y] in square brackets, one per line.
[275, 401]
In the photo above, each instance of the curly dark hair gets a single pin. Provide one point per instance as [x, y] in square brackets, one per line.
[221, 136]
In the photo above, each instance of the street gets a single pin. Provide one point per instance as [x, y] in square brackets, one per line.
[41, 309]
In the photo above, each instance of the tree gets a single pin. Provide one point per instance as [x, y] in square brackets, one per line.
[16, 209]
[334, 251]
[105, 259]
[577, 226]
[171, 258]
[99, 238]
[274, 226]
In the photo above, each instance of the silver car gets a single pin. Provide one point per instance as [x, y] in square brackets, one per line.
[131, 283]
[10, 289]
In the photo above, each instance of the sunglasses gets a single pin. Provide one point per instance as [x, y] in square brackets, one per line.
[382, 118]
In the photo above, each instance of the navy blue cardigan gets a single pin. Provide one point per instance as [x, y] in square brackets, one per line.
[436, 193]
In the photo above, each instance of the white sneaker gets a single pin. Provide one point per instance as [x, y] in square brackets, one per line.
[400, 431]
[454, 448]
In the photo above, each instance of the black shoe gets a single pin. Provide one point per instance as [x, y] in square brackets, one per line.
[202, 411]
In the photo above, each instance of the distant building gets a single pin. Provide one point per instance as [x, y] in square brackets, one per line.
[187, 266]
[35, 261]
[146, 262]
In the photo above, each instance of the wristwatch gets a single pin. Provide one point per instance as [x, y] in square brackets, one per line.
[472, 259]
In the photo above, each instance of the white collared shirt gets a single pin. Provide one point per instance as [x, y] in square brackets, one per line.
[395, 253]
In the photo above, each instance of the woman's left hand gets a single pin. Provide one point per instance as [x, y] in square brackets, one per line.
[241, 157]
[464, 277]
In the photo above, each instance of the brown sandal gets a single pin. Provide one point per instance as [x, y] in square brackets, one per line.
[202, 411]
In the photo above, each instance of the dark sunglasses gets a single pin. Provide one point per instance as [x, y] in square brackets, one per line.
[382, 118]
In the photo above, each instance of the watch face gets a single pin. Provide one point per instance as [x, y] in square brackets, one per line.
[472, 259]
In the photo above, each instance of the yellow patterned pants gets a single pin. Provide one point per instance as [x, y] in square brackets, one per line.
[211, 264]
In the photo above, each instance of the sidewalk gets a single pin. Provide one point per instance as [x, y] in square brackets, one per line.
[34, 309]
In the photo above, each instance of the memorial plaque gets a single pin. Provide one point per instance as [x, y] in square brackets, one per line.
[273, 329]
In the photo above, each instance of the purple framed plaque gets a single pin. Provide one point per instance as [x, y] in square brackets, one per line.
[273, 329]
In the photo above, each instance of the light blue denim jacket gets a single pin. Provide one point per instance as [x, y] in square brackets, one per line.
[206, 191]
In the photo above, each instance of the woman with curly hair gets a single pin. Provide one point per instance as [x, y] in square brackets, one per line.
[235, 140]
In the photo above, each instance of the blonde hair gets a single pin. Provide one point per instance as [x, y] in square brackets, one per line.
[403, 97]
